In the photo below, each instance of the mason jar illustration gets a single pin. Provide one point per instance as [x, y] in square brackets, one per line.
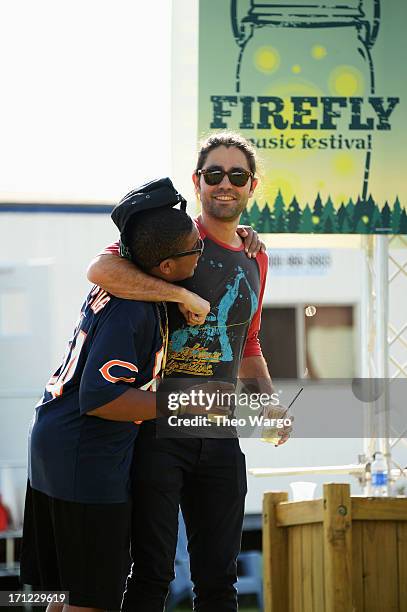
[304, 75]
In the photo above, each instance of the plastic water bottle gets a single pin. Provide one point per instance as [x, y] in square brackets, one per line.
[379, 475]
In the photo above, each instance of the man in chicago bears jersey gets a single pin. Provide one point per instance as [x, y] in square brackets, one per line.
[77, 515]
[205, 475]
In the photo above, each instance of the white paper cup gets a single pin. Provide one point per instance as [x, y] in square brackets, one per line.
[302, 490]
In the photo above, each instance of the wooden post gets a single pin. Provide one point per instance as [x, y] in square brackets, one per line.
[275, 555]
[337, 547]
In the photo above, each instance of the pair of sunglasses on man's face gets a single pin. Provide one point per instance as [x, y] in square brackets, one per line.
[215, 175]
[196, 250]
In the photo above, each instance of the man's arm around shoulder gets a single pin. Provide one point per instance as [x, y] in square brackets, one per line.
[123, 279]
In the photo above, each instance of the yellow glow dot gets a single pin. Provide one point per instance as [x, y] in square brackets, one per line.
[318, 52]
[315, 219]
[346, 84]
[344, 164]
[346, 81]
[365, 219]
[267, 59]
[296, 69]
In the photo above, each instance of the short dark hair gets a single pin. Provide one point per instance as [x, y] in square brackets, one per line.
[226, 139]
[152, 236]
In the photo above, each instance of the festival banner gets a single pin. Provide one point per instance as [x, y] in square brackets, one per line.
[318, 86]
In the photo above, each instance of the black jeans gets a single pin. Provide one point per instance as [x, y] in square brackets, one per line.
[207, 477]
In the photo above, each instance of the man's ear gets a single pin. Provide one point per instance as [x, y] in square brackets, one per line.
[253, 186]
[167, 267]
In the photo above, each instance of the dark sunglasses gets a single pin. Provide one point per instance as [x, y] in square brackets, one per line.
[237, 176]
[197, 250]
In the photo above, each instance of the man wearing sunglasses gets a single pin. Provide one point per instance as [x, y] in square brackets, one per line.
[205, 474]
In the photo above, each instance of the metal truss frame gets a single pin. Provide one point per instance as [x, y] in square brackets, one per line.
[379, 338]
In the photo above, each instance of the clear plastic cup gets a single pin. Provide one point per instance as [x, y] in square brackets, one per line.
[271, 434]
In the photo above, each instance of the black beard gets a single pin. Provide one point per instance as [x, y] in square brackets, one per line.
[225, 214]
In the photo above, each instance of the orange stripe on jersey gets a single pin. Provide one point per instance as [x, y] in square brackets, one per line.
[105, 370]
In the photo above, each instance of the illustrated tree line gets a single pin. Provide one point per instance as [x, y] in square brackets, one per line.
[360, 217]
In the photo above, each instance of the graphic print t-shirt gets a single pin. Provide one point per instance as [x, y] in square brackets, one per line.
[234, 286]
[74, 456]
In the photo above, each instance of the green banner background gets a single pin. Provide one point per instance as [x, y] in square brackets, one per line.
[320, 92]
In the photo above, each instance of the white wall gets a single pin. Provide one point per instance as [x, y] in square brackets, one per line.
[339, 283]
[70, 241]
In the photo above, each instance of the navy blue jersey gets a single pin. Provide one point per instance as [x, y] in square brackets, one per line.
[78, 457]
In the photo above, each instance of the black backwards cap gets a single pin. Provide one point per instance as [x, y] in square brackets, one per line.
[159, 193]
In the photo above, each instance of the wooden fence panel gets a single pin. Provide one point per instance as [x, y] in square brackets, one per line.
[380, 566]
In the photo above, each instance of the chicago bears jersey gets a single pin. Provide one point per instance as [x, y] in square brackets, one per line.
[75, 456]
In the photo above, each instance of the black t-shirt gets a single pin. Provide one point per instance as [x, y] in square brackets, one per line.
[233, 284]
